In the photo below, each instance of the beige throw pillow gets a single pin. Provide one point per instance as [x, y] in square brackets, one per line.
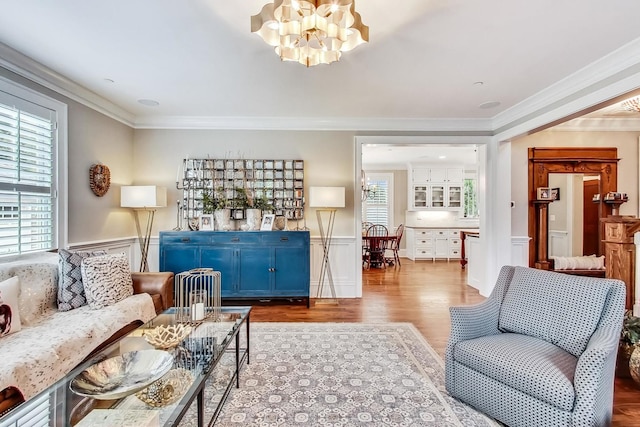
[106, 279]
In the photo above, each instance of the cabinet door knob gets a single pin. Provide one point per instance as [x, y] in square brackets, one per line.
[272, 269]
[284, 239]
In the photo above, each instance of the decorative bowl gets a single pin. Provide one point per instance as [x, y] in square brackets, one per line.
[167, 389]
[122, 375]
[167, 336]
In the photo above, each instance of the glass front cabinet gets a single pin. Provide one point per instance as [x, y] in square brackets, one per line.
[436, 188]
[420, 196]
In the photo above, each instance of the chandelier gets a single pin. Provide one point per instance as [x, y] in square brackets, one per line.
[310, 32]
[632, 104]
[368, 191]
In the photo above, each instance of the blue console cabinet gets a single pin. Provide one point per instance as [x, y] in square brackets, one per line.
[253, 264]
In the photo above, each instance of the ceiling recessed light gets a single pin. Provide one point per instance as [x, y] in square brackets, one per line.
[148, 102]
[442, 157]
[487, 105]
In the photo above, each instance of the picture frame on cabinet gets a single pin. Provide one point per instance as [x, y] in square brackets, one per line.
[206, 222]
[544, 193]
[555, 194]
[267, 222]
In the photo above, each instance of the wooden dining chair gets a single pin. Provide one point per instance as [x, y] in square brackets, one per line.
[377, 248]
[394, 247]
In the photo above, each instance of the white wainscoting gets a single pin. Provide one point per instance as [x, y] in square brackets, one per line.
[129, 246]
[520, 250]
[558, 243]
[343, 266]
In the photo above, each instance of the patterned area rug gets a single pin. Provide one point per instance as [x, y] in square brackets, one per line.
[339, 375]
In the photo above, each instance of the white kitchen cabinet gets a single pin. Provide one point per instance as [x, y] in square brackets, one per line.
[420, 196]
[433, 243]
[435, 188]
[438, 175]
[455, 175]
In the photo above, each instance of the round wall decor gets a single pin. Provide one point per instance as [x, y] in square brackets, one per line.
[99, 179]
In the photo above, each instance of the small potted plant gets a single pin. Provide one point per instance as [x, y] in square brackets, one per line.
[629, 338]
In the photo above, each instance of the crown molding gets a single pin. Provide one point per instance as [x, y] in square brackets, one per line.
[601, 74]
[604, 124]
[26, 67]
[379, 124]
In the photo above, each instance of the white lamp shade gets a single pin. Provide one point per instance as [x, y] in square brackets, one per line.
[326, 197]
[143, 196]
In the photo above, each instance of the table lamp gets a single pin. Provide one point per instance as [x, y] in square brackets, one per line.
[326, 200]
[145, 198]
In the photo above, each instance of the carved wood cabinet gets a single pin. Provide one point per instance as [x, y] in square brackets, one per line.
[620, 252]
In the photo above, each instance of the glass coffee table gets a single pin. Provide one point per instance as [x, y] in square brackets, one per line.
[212, 353]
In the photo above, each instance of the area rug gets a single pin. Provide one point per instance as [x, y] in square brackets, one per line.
[339, 375]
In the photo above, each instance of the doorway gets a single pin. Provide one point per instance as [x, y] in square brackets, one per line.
[590, 217]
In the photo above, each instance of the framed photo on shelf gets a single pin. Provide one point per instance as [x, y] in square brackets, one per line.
[267, 222]
[544, 193]
[555, 194]
[206, 222]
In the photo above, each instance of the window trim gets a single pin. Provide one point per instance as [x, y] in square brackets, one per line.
[60, 155]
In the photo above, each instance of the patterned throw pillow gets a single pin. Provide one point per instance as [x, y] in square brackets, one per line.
[106, 279]
[70, 289]
[9, 314]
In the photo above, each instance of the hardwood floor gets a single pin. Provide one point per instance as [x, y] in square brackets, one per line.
[420, 293]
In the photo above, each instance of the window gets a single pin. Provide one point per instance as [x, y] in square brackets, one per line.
[28, 178]
[471, 197]
[378, 207]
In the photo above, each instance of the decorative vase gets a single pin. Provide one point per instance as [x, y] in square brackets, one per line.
[280, 223]
[634, 365]
[622, 362]
[254, 219]
[223, 219]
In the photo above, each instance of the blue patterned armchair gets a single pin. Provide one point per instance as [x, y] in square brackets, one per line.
[540, 351]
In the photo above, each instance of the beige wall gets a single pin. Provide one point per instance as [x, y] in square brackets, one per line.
[625, 142]
[328, 161]
[93, 137]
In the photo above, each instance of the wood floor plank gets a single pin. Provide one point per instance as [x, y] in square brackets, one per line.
[421, 293]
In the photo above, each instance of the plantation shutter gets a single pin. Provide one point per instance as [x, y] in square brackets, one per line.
[26, 176]
[377, 207]
[36, 412]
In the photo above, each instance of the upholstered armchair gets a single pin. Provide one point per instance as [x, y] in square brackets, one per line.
[540, 351]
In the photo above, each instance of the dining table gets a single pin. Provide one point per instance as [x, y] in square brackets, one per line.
[375, 244]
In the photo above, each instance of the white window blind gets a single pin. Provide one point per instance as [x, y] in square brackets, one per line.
[26, 177]
[378, 207]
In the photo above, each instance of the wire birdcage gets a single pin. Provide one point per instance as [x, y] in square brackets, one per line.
[197, 295]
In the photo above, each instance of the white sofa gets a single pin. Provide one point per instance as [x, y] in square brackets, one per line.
[53, 342]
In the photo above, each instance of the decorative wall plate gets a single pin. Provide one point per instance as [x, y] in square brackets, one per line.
[99, 179]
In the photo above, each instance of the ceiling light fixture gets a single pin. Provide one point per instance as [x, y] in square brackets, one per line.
[368, 191]
[632, 104]
[310, 32]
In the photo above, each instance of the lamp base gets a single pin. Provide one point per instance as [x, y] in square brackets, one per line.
[326, 301]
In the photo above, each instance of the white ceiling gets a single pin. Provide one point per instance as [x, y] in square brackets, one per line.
[399, 156]
[197, 58]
